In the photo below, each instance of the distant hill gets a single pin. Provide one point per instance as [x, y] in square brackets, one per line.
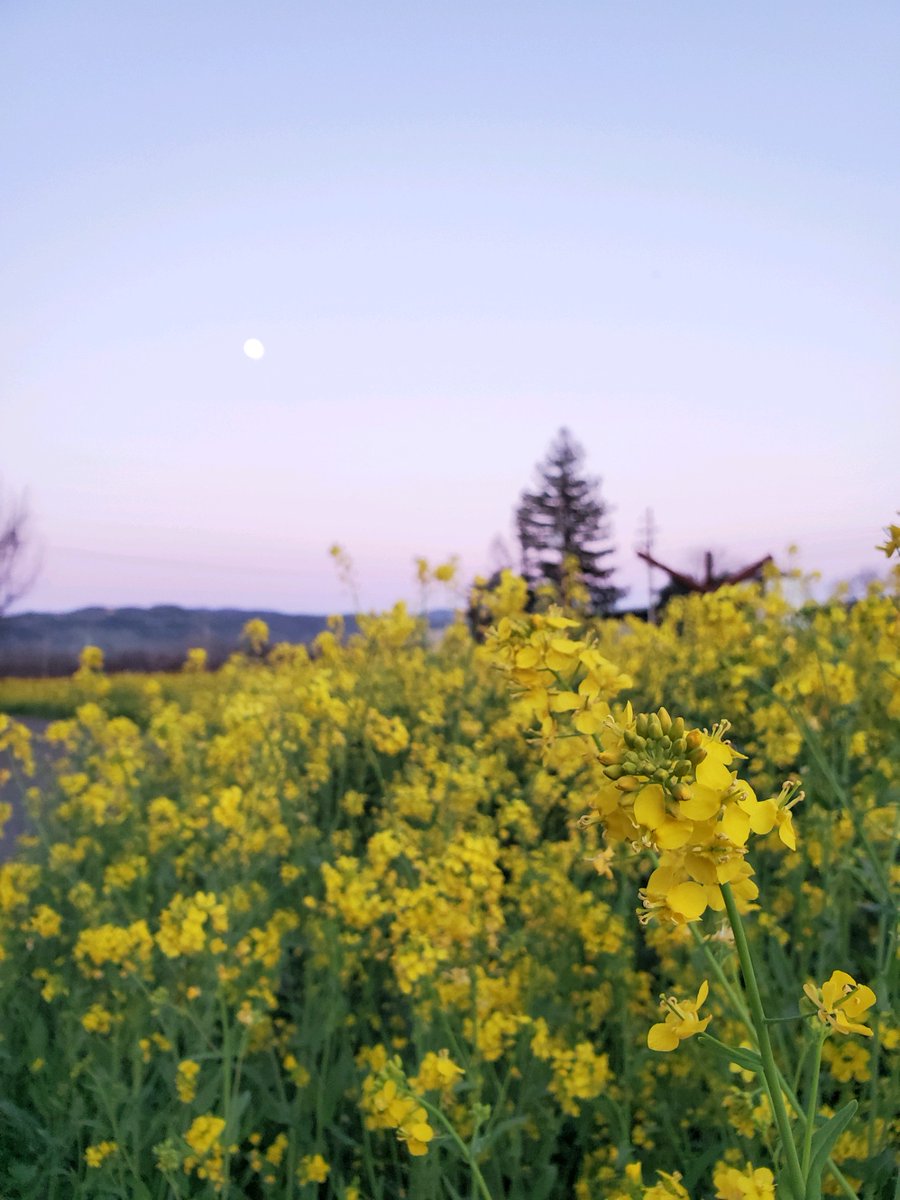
[145, 639]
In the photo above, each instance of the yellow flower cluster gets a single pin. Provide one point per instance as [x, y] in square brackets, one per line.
[556, 674]
[186, 1080]
[207, 1157]
[389, 1103]
[127, 947]
[182, 924]
[672, 790]
[667, 788]
[437, 1072]
[313, 1169]
[750, 1184]
[97, 1154]
[251, 889]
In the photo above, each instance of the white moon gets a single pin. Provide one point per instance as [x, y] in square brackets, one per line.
[254, 348]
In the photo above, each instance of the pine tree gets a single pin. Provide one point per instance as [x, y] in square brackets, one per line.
[565, 519]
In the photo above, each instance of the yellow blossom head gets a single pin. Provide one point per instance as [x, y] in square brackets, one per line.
[840, 1001]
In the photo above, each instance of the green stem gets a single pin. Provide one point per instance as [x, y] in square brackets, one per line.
[770, 1070]
[740, 1008]
[464, 1150]
[835, 1170]
[226, 1092]
[812, 1101]
[816, 750]
[737, 1001]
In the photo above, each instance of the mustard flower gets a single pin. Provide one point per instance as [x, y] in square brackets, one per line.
[749, 1184]
[840, 1001]
[99, 1152]
[313, 1169]
[186, 1080]
[669, 1187]
[892, 542]
[682, 1021]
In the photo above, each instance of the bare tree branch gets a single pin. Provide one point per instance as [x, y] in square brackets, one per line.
[18, 562]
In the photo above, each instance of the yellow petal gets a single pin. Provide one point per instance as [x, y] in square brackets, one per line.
[588, 722]
[747, 796]
[762, 816]
[812, 993]
[556, 621]
[842, 1025]
[861, 999]
[660, 880]
[673, 834]
[703, 803]
[662, 1037]
[730, 870]
[786, 829]
[566, 646]
[688, 900]
[735, 825]
[713, 771]
[607, 799]
[700, 868]
[650, 806]
[564, 701]
[837, 987]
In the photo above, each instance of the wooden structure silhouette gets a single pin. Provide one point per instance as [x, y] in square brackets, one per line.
[683, 584]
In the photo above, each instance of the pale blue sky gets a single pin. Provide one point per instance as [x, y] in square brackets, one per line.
[456, 227]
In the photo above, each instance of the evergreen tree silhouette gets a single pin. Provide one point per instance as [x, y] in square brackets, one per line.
[565, 518]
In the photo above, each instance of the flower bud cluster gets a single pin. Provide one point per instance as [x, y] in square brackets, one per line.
[671, 789]
[658, 750]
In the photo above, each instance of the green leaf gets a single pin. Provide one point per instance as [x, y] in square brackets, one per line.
[823, 1141]
[749, 1060]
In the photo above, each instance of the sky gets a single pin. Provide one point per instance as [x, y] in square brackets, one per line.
[456, 228]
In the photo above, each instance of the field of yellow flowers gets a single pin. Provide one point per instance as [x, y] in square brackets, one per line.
[507, 916]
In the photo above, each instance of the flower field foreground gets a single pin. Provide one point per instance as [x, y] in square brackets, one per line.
[393, 918]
